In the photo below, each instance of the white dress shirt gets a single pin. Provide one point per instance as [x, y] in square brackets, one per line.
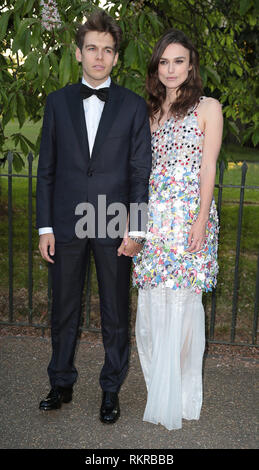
[93, 108]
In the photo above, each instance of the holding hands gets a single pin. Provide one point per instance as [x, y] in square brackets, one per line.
[129, 247]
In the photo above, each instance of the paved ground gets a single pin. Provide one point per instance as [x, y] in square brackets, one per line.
[228, 419]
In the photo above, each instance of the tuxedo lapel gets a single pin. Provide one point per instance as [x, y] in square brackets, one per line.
[110, 110]
[76, 108]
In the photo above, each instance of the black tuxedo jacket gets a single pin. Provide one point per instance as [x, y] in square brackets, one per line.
[119, 166]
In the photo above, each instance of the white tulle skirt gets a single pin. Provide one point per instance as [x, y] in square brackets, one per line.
[170, 335]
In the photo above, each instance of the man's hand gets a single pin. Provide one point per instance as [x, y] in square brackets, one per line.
[47, 246]
[129, 248]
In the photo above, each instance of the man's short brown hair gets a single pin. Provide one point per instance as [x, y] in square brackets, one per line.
[103, 23]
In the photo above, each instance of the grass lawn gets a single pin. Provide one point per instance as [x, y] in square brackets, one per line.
[227, 250]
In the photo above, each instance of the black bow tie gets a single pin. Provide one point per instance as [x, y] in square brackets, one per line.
[101, 93]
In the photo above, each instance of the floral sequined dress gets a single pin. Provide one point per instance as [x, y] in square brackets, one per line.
[170, 323]
[174, 202]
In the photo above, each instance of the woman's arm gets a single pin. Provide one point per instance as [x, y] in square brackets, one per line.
[211, 119]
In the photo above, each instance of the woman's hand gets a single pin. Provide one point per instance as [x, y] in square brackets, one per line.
[196, 236]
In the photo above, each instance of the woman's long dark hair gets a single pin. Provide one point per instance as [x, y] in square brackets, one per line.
[188, 93]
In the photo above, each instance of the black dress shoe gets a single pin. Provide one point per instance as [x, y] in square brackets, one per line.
[110, 409]
[55, 398]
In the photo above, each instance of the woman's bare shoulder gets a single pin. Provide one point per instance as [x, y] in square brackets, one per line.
[208, 104]
[210, 109]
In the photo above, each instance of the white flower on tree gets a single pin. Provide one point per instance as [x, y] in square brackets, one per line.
[50, 15]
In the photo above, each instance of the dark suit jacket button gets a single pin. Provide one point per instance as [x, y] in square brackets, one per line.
[90, 173]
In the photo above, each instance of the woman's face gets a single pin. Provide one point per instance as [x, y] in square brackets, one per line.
[174, 66]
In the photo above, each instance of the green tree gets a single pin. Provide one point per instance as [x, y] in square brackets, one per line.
[37, 55]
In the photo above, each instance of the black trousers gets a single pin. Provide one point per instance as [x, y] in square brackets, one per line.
[68, 276]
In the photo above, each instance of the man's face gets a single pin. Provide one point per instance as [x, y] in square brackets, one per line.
[98, 57]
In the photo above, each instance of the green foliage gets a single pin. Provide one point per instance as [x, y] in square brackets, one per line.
[35, 61]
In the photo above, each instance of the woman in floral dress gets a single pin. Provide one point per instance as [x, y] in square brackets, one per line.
[179, 258]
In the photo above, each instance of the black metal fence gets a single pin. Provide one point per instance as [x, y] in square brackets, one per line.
[31, 317]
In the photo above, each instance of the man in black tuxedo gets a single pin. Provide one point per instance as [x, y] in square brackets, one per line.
[95, 141]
